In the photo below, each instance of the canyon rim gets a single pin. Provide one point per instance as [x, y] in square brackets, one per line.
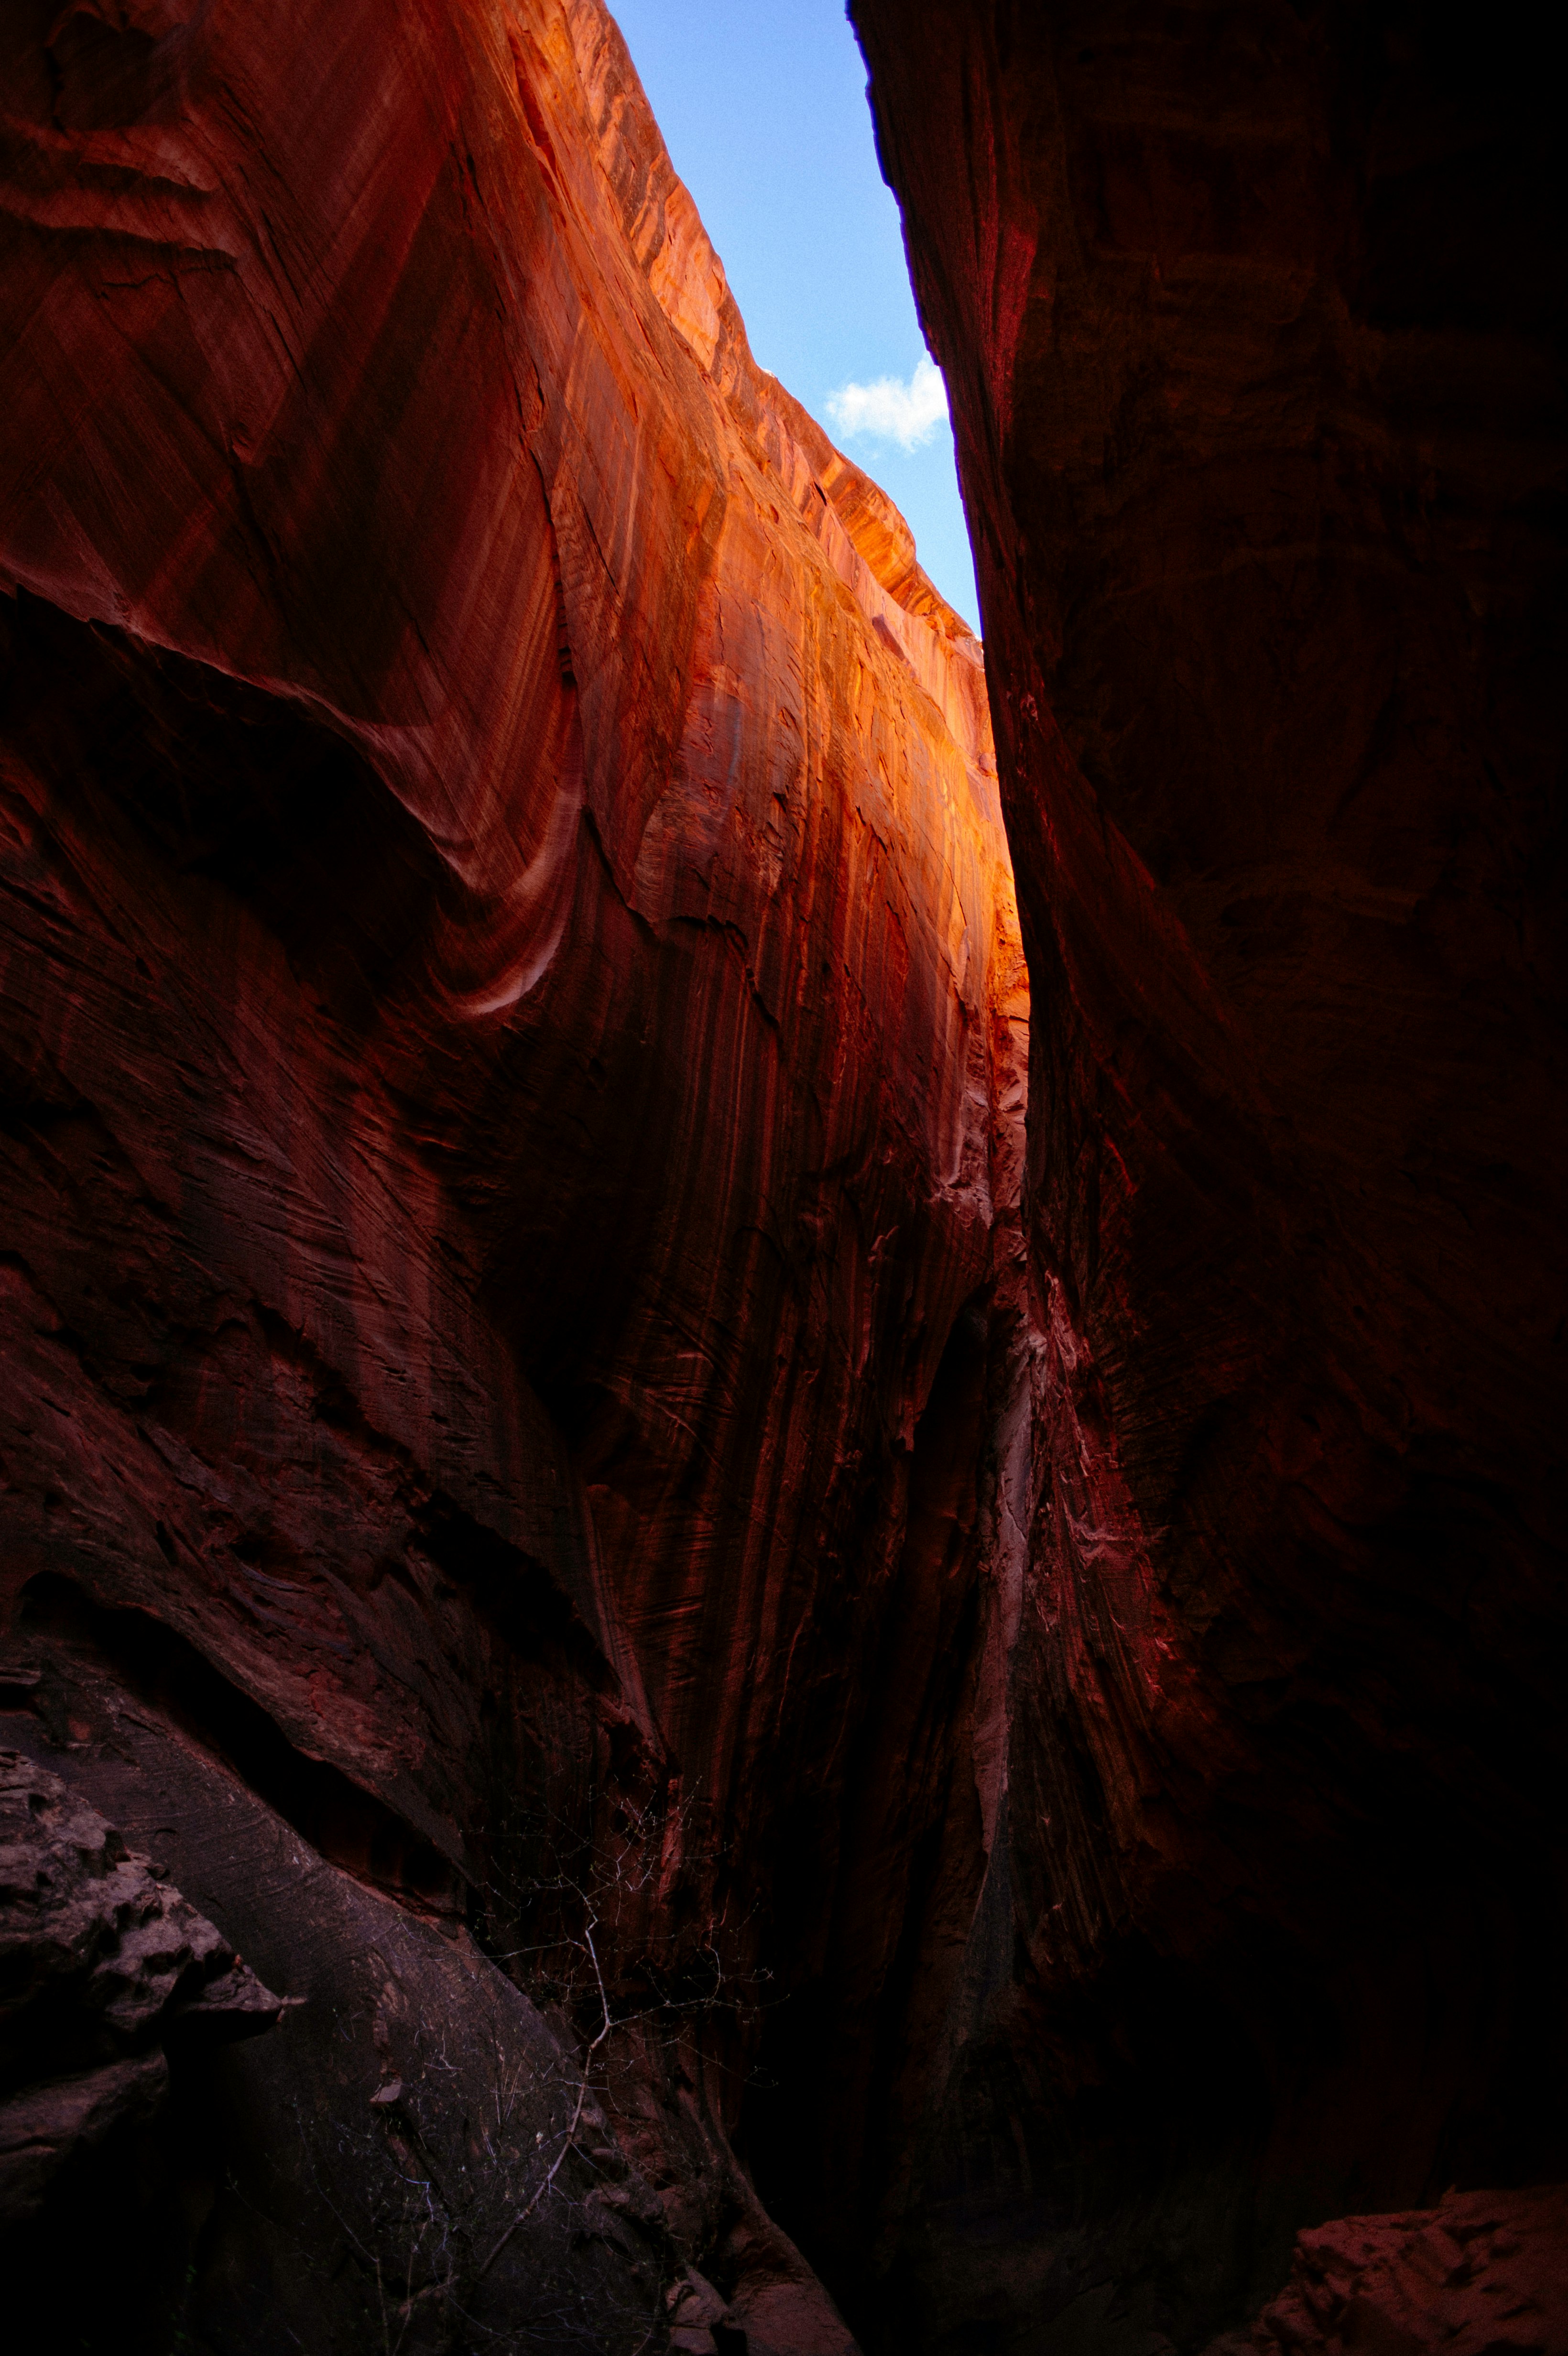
[758, 1597]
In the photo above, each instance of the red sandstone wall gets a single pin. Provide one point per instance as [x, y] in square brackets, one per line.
[513, 1011]
[1252, 324]
[512, 1058]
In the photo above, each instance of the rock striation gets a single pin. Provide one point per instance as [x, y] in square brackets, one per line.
[512, 1039]
[1252, 322]
[834, 1725]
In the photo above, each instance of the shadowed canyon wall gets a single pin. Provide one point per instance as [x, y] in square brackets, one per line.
[513, 1049]
[1252, 319]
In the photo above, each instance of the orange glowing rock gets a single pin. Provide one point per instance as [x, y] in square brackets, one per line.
[513, 1010]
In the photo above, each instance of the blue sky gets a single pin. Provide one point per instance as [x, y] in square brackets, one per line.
[764, 111]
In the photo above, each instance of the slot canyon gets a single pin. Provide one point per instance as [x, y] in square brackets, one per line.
[782, 1503]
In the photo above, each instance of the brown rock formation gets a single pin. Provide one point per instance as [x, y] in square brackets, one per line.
[512, 1054]
[100, 1965]
[1252, 320]
[1486, 2270]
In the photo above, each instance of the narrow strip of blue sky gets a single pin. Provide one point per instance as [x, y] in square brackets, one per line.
[763, 110]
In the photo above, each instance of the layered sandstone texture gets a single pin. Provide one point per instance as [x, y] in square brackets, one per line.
[1252, 319]
[512, 1041]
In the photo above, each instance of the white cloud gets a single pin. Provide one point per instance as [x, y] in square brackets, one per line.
[887, 411]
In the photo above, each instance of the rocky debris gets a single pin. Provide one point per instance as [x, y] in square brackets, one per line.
[99, 1957]
[378, 2165]
[1484, 2274]
[791, 2317]
[90, 1933]
[699, 2320]
[778, 2309]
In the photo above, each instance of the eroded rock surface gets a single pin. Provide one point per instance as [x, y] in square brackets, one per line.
[1486, 2270]
[94, 1945]
[512, 1041]
[376, 2168]
[104, 1966]
[1252, 322]
[743, 1681]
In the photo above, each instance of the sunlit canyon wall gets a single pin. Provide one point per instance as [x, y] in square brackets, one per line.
[515, 1031]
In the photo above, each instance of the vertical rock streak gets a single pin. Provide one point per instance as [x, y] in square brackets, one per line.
[1251, 321]
[515, 1051]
